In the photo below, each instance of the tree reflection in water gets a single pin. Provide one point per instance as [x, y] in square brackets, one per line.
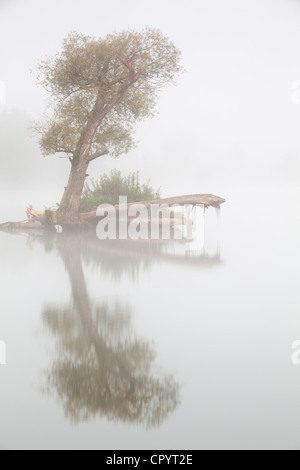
[101, 369]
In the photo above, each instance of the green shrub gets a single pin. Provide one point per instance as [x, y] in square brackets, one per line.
[109, 188]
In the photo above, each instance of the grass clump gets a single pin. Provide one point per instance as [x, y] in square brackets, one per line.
[109, 188]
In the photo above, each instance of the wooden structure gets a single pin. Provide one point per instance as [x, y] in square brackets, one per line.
[205, 200]
[32, 214]
[37, 220]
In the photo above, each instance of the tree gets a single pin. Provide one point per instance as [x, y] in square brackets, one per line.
[99, 88]
[102, 369]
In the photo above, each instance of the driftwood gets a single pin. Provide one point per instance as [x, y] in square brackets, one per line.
[91, 218]
[206, 200]
[32, 222]
[11, 226]
[32, 214]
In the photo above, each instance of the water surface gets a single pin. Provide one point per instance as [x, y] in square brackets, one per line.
[147, 345]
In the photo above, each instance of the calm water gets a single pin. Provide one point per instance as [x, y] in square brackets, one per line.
[129, 346]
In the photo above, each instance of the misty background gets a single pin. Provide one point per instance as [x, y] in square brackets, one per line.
[231, 123]
[222, 320]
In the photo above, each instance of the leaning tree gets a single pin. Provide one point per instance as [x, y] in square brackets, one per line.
[99, 88]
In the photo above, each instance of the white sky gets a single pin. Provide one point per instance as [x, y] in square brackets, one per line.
[230, 121]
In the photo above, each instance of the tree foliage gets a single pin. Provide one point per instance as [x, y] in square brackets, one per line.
[112, 82]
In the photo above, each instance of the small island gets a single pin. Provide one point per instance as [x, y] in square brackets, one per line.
[99, 88]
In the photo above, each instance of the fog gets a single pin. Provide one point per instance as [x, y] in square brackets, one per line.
[231, 122]
[207, 326]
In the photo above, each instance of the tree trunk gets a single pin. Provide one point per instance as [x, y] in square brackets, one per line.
[68, 214]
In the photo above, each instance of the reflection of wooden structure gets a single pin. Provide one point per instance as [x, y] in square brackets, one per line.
[127, 251]
[108, 253]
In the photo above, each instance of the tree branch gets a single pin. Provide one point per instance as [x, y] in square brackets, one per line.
[128, 64]
[133, 77]
[97, 155]
[97, 117]
[64, 151]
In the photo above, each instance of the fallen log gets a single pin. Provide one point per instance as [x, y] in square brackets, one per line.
[48, 219]
[11, 226]
[206, 200]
